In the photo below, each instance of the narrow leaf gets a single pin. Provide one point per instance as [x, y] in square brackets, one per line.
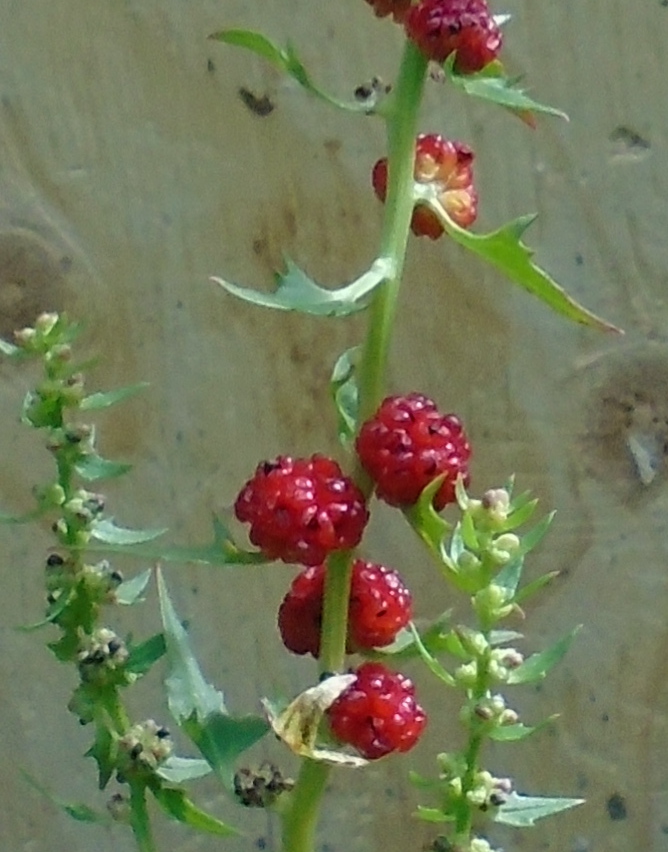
[514, 733]
[91, 467]
[130, 592]
[142, 656]
[105, 399]
[9, 349]
[77, 810]
[432, 814]
[188, 692]
[510, 575]
[284, 59]
[295, 291]
[344, 392]
[432, 663]
[176, 770]
[536, 666]
[176, 804]
[106, 530]
[523, 811]
[535, 586]
[505, 250]
[54, 610]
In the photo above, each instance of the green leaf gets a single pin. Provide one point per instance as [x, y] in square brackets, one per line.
[103, 751]
[188, 692]
[9, 349]
[434, 638]
[432, 814]
[41, 413]
[533, 538]
[54, 610]
[106, 530]
[284, 59]
[510, 575]
[23, 519]
[199, 708]
[176, 804]
[77, 810]
[535, 586]
[428, 524]
[130, 592]
[344, 391]
[514, 733]
[91, 467]
[176, 770]
[536, 666]
[222, 551]
[142, 656]
[503, 637]
[222, 739]
[491, 84]
[97, 401]
[295, 291]
[520, 515]
[523, 811]
[505, 250]
[432, 663]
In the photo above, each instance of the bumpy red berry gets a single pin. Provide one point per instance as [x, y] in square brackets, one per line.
[300, 510]
[440, 27]
[378, 713]
[380, 605]
[448, 167]
[396, 8]
[407, 444]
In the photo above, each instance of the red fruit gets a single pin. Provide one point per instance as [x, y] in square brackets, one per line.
[300, 510]
[396, 8]
[407, 444]
[380, 605]
[449, 167]
[440, 27]
[378, 713]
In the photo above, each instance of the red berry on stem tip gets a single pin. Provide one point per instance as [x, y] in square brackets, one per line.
[449, 167]
[407, 444]
[380, 605]
[441, 27]
[301, 510]
[378, 713]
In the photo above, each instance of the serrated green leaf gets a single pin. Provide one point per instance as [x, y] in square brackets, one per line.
[177, 770]
[492, 84]
[142, 656]
[92, 466]
[222, 551]
[536, 666]
[105, 399]
[222, 738]
[286, 60]
[505, 250]
[431, 662]
[106, 530]
[188, 692]
[130, 592]
[77, 810]
[176, 804]
[344, 392]
[295, 291]
[523, 811]
[514, 733]
[103, 751]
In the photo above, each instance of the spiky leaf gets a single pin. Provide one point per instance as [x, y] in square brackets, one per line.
[176, 804]
[536, 666]
[105, 399]
[523, 811]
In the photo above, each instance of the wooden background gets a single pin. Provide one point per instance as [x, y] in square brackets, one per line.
[131, 170]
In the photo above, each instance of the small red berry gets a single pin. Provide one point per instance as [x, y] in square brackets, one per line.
[300, 510]
[396, 8]
[449, 166]
[378, 713]
[440, 27]
[407, 444]
[380, 605]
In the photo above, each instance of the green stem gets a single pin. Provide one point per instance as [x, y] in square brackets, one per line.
[300, 818]
[139, 818]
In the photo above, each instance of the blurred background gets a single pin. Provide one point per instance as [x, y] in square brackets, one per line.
[136, 160]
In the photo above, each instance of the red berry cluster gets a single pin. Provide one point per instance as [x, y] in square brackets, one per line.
[378, 713]
[442, 27]
[447, 166]
[409, 443]
[302, 510]
[380, 605]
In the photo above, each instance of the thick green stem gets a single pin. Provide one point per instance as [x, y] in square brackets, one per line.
[300, 818]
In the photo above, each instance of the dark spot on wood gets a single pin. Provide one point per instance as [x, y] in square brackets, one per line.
[260, 105]
[626, 140]
[616, 807]
[210, 66]
[605, 717]
[579, 260]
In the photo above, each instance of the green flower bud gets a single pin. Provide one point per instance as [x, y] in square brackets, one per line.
[467, 674]
[45, 323]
